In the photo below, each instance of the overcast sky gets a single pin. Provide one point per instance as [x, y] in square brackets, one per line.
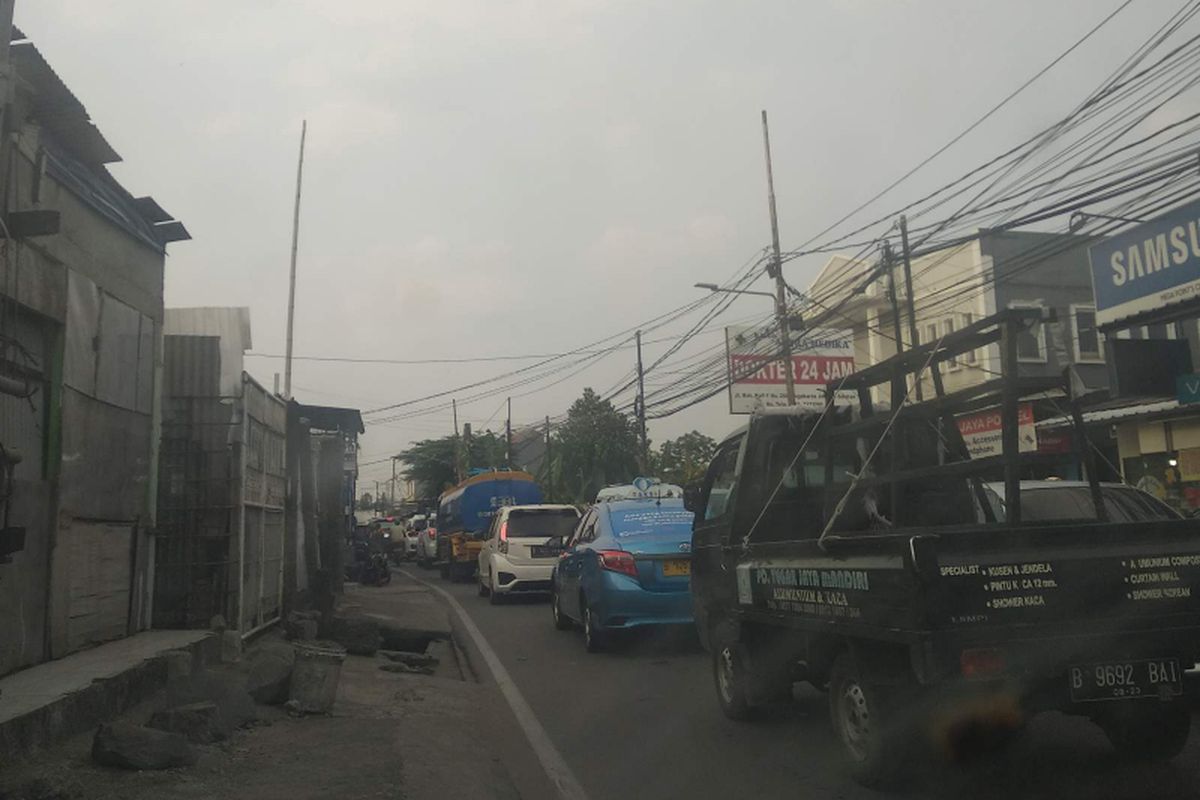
[495, 178]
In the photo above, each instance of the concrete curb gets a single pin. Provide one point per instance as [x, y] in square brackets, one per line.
[102, 700]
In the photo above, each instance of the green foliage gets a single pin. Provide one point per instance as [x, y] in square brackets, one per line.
[595, 447]
[431, 462]
[683, 460]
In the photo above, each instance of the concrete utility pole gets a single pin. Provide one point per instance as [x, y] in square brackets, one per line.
[641, 402]
[775, 270]
[291, 312]
[458, 471]
[508, 436]
[549, 464]
[394, 480]
[908, 290]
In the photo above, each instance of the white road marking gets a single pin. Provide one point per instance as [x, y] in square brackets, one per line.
[552, 761]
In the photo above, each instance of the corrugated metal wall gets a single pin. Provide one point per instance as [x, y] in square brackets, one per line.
[222, 484]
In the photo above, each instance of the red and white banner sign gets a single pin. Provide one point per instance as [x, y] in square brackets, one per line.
[982, 430]
[760, 382]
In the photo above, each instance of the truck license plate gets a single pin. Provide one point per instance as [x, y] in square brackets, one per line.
[1123, 680]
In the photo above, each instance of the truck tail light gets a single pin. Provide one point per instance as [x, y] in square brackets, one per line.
[982, 662]
[618, 561]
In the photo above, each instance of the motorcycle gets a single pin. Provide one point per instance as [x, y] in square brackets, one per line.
[369, 567]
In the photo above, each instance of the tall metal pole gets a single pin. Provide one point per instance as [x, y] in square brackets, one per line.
[776, 271]
[508, 436]
[641, 402]
[287, 362]
[908, 290]
[393, 482]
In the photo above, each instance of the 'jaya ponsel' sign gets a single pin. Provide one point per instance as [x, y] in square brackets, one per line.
[1147, 267]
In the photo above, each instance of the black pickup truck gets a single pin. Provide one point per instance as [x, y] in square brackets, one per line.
[866, 551]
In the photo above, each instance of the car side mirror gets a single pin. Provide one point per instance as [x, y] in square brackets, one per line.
[691, 497]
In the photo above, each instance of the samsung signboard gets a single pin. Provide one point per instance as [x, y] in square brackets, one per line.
[1148, 267]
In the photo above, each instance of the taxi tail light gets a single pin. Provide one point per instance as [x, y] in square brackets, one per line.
[982, 662]
[504, 536]
[619, 561]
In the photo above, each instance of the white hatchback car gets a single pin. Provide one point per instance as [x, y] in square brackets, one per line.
[521, 549]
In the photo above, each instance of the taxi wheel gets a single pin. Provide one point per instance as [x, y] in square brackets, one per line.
[561, 621]
[593, 635]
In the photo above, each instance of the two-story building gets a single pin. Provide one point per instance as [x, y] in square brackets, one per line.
[81, 313]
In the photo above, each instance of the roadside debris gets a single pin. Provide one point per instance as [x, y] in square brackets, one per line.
[128, 746]
[269, 677]
[356, 632]
[200, 723]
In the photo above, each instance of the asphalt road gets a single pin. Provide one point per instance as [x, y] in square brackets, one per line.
[642, 721]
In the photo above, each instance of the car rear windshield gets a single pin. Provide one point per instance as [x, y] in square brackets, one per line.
[420, 525]
[1075, 502]
[542, 523]
[654, 519]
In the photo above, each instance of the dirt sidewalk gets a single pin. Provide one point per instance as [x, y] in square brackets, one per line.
[390, 735]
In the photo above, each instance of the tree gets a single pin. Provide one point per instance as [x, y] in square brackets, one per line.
[683, 460]
[595, 446]
[431, 462]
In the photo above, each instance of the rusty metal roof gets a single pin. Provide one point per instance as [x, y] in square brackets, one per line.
[57, 108]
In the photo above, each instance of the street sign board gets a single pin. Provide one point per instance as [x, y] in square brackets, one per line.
[981, 431]
[757, 381]
[1187, 389]
[1152, 265]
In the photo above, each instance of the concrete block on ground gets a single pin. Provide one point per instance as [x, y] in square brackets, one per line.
[399, 666]
[412, 659]
[270, 675]
[231, 647]
[235, 706]
[180, 664]
[128, 746]
[200, 723]
[411, 631]
[302, 625]
[358, 633]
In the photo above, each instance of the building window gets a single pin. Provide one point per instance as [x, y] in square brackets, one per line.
[948, 328]
[1157, 331]
[1031, 340]
[1087, 336]
[967, 321]
[931, 333]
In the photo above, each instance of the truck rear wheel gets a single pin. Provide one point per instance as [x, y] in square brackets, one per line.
[732, 678]
[864, 721]
[1148, 731]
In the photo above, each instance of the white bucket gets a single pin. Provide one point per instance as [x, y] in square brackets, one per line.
[315, 675]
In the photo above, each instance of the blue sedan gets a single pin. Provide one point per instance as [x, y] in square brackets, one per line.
[626, 565]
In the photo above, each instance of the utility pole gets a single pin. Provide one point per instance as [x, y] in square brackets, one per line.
[394, 481]
[508, 436]
[458, 471]
[549, 464]
[775, 270]
[908, 290]
[291, 312]
[890, 264]
[466, 448]
[641, 403]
